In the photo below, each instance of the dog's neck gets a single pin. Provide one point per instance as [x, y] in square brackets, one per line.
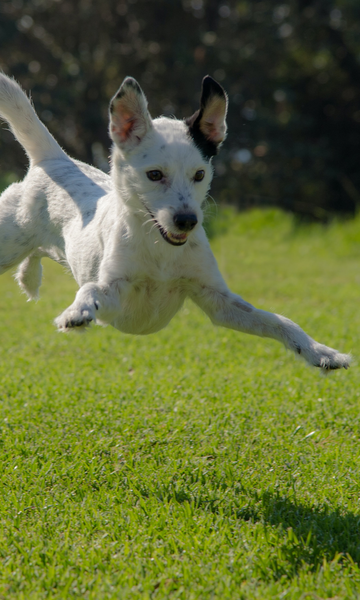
[118, 173]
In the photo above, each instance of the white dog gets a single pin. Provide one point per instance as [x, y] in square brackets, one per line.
[133, 240]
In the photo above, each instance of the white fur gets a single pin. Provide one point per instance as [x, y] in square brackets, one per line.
[106, 229]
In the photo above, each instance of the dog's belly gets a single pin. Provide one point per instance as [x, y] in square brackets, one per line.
[148, 306]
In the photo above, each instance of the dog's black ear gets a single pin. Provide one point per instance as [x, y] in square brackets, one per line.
[207, 126]
[130, 120]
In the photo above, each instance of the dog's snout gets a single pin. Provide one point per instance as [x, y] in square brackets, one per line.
[185, 221]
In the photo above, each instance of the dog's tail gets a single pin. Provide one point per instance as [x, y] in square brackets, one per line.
[17, 110]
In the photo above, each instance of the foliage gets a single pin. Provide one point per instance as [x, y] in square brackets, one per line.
[291, 71]
[197, 463]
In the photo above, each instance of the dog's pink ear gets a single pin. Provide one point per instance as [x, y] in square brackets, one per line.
[207, 126]
[130, 120]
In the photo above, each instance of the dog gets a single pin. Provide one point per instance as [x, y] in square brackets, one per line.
[134, 239]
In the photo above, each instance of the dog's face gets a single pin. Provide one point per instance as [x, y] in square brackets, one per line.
[163, 166]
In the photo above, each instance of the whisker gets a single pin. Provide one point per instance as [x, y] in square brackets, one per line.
[209, 208]
[148, 221]
[141, 211]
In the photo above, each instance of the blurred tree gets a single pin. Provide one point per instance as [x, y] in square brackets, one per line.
[291, 71]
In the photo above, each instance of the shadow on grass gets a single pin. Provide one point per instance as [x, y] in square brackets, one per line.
[299, 535]
[309, 534]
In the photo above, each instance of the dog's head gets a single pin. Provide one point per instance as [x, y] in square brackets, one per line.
[162, 167]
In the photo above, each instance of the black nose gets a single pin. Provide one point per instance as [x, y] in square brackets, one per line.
[185, 221]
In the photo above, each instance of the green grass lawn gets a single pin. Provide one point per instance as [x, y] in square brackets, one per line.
[197, 463]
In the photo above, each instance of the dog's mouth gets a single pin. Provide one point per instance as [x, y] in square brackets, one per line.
[175, 239]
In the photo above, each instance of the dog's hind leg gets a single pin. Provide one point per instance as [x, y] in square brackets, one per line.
[29, 275]
[20, 234]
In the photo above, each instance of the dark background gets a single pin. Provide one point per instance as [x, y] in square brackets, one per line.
[292, 72]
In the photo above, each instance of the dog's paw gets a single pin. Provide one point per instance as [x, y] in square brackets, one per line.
[334, 361]
[327, 359]
[74, 320]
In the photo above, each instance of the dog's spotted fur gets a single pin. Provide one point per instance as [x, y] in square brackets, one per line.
[133, 240]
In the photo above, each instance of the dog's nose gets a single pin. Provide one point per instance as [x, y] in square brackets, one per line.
[185, 221]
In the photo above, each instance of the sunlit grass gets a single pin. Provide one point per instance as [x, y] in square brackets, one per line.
[196, 463]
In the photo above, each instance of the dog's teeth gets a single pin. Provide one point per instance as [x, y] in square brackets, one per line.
[177, 239]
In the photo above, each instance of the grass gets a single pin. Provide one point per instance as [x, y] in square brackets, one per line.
[197, 463]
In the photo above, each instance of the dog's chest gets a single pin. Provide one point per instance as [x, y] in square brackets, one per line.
[147, 305]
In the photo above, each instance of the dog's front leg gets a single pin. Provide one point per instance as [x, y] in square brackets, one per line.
[92, 302]
[229, 310]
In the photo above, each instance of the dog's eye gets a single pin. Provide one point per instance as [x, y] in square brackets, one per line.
[199, 175]
[154, 175]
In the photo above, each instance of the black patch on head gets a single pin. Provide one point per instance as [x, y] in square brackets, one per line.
[207, 148]
[210, 88]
